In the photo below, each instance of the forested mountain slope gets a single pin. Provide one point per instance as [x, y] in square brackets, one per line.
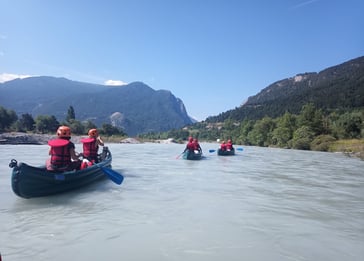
[335, 88]
[135, 108]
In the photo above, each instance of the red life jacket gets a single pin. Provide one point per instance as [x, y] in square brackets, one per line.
[223, 146]
[196, 145]
[90, 148]
[60, 153]
[190, 146]
[229, 146]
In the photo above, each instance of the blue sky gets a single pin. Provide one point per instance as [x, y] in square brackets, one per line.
[212, 54]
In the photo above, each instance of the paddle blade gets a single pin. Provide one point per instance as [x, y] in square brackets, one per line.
[241, 149]
[212, 151]
[113, 175]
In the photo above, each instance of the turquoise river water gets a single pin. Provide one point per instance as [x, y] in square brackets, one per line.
[261, 204]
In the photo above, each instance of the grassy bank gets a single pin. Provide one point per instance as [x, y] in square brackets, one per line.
[353, 147]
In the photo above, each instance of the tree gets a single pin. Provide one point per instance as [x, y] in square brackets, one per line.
[89, 125]
[349, 125]
[302, 138]
[46, 124]
[261, 134]
[311, 118]
[281, 136]
[70, 114]
[283, 133]
[77, 127]
[108, 129]
[26, 122]
[180, 134]
[245, 127]
[7, 118]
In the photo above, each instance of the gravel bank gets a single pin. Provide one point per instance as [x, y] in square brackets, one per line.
[15, 138]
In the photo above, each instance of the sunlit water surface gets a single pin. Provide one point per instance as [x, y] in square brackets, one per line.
[262, 204]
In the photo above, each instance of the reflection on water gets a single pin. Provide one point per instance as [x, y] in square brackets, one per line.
[262, 204]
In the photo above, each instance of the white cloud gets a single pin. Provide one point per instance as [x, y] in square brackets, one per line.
[5, 77]
[114, 83]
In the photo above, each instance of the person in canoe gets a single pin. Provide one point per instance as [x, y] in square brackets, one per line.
[229, 145]
[223, 146]
[196, 145]
[63, 154]
[190, 146]
[91, 145]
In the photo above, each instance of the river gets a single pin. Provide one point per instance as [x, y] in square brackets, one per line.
[261, 204]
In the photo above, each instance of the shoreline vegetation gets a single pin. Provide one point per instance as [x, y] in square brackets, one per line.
[22, 138]
[350, 147]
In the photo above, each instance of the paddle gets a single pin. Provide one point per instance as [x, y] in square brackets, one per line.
[179, 155]
[113, 175]
[211, 151]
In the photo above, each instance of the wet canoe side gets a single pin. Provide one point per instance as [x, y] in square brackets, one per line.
[191, 155]
[29, 181]
[226, 152]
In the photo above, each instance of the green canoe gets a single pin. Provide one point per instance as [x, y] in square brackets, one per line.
[226, 152]
[28, 181]
[192, 155]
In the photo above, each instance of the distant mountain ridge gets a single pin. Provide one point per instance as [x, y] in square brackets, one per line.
[337, 87]
[135, 107]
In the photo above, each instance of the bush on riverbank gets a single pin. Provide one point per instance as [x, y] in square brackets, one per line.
[322, 143]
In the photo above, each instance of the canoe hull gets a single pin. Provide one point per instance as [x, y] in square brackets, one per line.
[226, 152]
[192, 155]
[28, 181]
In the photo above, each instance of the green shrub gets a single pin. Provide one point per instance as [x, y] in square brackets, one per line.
[322, 142]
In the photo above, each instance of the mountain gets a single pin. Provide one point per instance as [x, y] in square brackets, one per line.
[135, 107]
[337, 87]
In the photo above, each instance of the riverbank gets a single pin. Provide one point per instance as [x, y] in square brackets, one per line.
[17, 138]
[351, 148]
